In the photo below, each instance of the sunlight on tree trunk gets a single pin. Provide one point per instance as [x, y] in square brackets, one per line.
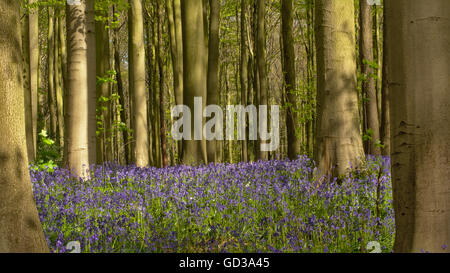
[339, 141]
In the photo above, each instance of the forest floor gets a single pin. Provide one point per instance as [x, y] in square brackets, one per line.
[274, 206]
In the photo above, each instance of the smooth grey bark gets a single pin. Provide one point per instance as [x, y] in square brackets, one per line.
[194, 76]
[76, 116]
[419, 87]
[137, 83]
[338, 140]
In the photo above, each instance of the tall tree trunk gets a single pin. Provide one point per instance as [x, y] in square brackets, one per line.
[339, 141]
[372, 124]
[137, 82]
[289, 77]
[104, 140]
[20, 228]
[25, 27]
[152, 125]
[155, 102]
[244, 70]
[213, 70]
[419, 89]
[174, 47]
[385, 130]
[194, 76]
[311, 117]
[77, 142]
[92, 81]
[164, 161]
[34, 72]
[124, 113]
[179, 44]
[63, 49]
[51, 72]
[261, 65]
[58, 80]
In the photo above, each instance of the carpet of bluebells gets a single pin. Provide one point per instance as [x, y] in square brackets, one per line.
[274, 206]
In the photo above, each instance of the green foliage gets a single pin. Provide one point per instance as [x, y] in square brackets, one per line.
[102, 14]
[48, 153]
[103, 102]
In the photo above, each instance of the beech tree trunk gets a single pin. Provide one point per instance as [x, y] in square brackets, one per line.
[194, 76]
[244, 69]
[137, 83]
[370, 105]
[385, 127]
[34, 73]
[77, 141]
[104, 140]
[51, 72]
[261, 64]
[418, 60]
[339, 141]
[213, 70]
[20, 228]
[92, 80]
[289, 78]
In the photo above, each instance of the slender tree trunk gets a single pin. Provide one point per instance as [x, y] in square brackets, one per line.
[261, 64]
[63, 50]
[289, 77]
[244, 70]
[339, 142]
[58, 80]
[92, 81]
[50, 72]
[311, 118]
[137, 82]
[372, 124]
[194, 76]
[104, 140]
[20, 228]
[34, 72]
[155, 101]
[419, 89]
[174, 47]
[179, 45]
[164, 161]
[124, 113]
[77, 141]
[151, 76]
[213, 70]
[385, 130]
